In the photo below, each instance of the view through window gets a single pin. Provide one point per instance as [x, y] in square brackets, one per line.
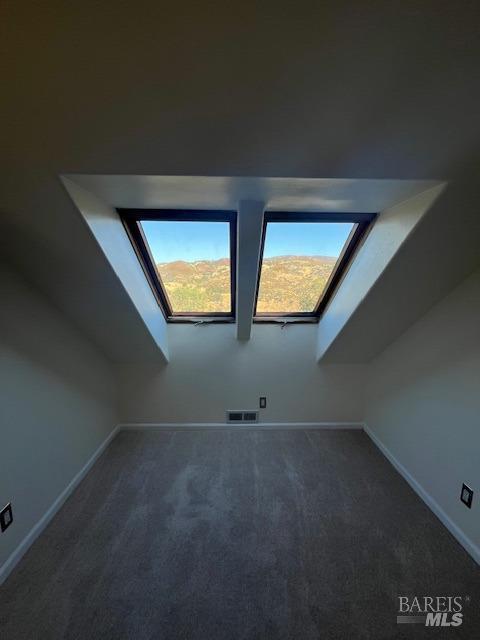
[303, 258]
[298, 260]
[189, 258]
[193, 262]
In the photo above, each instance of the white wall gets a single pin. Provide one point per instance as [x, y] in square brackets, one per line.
[210, 371]
[57, 405]
[423, 403]
[386, 237]
[107, 228]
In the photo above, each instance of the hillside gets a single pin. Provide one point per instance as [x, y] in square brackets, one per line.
[292, 283]
[289, 283]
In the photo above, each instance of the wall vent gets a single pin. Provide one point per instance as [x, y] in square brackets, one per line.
[242, 416]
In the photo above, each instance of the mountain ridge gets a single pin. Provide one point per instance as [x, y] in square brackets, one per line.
[288, 284]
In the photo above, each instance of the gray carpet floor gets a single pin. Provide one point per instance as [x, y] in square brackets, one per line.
[237, 535]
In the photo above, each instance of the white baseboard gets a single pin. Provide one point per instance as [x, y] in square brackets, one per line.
[190, 426]
[445, 519]
[30, 538]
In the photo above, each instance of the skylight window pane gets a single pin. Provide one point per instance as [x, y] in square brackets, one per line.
[193, 263]
[298, 260]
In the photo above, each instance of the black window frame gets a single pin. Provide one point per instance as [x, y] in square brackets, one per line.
[362, 222]
[131, 219]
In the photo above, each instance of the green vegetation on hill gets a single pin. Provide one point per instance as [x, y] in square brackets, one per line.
[202, 286]
[288, 284]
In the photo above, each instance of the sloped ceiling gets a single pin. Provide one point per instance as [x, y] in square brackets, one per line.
[331, 89]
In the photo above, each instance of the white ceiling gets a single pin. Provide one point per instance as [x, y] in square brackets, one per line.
[344, 90]
[217, 192]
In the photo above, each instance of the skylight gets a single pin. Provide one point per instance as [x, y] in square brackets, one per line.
[303, 258]
[189, 258]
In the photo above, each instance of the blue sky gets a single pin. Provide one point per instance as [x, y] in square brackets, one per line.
[192, 241]
[189, 241]
[305, 238]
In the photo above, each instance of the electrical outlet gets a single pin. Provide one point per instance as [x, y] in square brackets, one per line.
[263, 402]
[6, 517]
[466, 496]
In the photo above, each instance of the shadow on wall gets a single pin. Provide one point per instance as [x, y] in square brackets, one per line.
[440, 252]
[77, 281]
[437, 351]
[34, 331]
